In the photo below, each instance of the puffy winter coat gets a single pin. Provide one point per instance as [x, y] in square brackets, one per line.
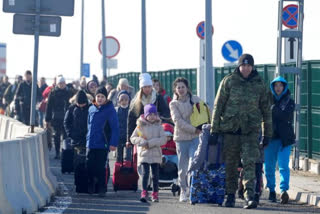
[162, 109]
[151, 135]
[123, 117]
[57, 106]
[181, 110]
[103, 127]
[282, 114]
[76, 122]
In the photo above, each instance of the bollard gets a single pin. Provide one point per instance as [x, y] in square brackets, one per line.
[305, 164]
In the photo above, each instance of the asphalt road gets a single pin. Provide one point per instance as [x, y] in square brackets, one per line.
[122, 202]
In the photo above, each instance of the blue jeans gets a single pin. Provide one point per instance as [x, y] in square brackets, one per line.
[275, 152]
[172, 158]
[185, 151]
[41, 117]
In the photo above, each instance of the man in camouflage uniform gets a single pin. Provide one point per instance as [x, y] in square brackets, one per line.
[241, 109]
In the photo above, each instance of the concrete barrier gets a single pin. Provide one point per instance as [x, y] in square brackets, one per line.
[26, 182]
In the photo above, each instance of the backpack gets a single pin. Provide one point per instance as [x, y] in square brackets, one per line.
[200, 115]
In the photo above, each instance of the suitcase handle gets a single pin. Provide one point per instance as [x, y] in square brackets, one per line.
[132, 155]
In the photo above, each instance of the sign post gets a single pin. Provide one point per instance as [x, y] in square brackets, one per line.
[202, 74]
[37, 25]
[3, 59]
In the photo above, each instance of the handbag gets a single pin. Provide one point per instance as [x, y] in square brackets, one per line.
[200, 115]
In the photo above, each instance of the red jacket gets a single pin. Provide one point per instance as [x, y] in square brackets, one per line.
[170, 145]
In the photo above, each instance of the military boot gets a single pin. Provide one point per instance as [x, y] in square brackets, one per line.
[230, 200]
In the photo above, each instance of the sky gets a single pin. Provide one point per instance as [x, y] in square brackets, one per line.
[172, 42]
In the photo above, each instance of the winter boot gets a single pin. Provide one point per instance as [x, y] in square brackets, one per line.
[273, 197]
[144, 196]
[284, 198]
[155, 197]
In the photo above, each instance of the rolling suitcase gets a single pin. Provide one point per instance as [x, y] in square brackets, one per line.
[208, 182]
[125, 175]
[67, 156]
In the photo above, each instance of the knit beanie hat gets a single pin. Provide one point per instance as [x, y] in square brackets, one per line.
[102, 90]
[246, 59]
[60, 79]
[149, 109]
[122, 92]
[81, 97]
[145, 80]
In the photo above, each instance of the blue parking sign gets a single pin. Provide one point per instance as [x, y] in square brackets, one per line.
[86, 69]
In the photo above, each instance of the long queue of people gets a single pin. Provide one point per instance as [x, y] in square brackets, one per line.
[251, 121]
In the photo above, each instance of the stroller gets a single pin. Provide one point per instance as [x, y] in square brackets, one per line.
[168, 171]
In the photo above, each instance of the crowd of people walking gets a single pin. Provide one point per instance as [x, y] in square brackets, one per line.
[149, 128]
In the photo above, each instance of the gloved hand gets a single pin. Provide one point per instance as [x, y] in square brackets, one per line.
[264, 141]
[213, 138]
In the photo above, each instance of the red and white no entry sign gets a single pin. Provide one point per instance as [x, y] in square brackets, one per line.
[112, 46]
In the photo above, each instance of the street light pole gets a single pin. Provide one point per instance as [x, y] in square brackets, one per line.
[82, 26]
[210, 80]
[143, 37]
[104, 49]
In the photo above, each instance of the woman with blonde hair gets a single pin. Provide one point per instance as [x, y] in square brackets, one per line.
[146, 95]
[123, 84]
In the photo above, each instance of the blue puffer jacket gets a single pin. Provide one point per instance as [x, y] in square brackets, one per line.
[103, 127]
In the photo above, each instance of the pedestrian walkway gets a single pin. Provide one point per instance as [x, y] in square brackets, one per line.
[304, 187]
[127, 202]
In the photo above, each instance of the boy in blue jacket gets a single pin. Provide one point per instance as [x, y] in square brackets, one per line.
[103, 134]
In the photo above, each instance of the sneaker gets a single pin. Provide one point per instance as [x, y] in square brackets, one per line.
[273, 197]
[155, 197]
[230, 201]
[183, 196]
[284, 198]
[144, 196]
[250, 204]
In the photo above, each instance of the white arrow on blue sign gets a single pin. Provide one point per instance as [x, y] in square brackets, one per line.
[231, 50]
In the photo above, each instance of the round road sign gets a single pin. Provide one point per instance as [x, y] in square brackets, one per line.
[290, 16]
[201, 30]
[112, 45]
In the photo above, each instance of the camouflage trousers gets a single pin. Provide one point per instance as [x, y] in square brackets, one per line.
[243, 147]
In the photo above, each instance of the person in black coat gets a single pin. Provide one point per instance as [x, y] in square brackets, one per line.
[58, 103]
[23, 99]
[279, 148]
[76, 119]
[146, 95]
[122, 111]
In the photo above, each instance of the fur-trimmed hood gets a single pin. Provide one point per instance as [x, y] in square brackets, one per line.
[143, 122]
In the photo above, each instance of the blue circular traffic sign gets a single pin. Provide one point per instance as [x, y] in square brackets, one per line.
[231, 50]
[290, 16]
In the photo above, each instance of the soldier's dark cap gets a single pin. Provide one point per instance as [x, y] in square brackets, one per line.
[246, 59]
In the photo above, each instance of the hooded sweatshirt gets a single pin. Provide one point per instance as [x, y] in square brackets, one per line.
[282, 114]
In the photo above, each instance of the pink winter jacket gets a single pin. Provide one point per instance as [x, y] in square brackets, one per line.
[152, 135]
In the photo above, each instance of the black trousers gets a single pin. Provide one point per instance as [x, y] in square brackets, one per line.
[146, 174]
[96, 161]
[58, 132]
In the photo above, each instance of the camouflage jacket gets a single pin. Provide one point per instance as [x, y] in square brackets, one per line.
[242, 105]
